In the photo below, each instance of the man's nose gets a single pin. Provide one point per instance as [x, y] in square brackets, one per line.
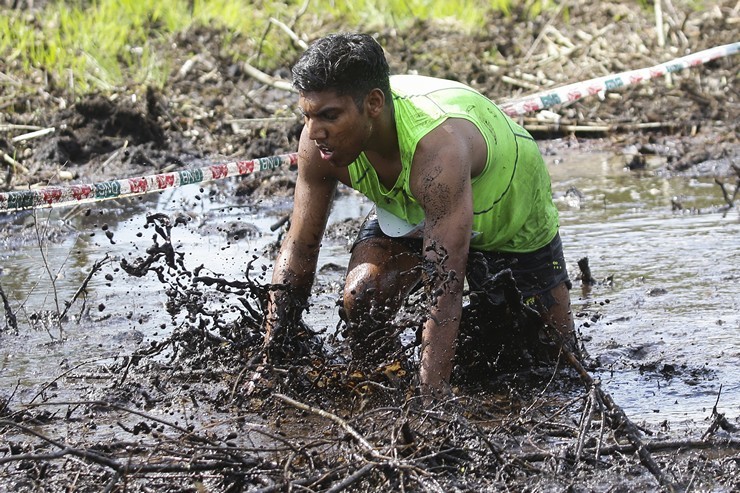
[316, 131]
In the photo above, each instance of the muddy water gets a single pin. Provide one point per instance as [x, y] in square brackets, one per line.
[662, 322]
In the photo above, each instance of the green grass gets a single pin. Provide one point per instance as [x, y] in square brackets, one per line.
[100, 45]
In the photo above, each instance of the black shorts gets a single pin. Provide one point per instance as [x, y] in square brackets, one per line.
[535, 273]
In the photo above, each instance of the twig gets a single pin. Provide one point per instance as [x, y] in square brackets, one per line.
[268, 79]
[16, 165]
[618, 419]
[543, 31]
[83, 287]
[34, 134]
[585, 423]
[9, 315]
[719, 420]
[113, 156]
[52, 277]
[62, 375]
[594, 128]
[291, 34]
[333, 417]
[359, 474]
[520, 83]
[6, 127]
[730, 200]
[661, 36]
[6, 405]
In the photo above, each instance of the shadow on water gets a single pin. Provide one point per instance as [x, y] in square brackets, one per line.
[662, 321]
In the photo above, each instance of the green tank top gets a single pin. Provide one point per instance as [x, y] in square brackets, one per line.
[513, 209]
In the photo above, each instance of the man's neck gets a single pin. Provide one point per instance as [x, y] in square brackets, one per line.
[384, 139]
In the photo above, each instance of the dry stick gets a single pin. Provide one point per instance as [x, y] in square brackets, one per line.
[730, 201]
[595, 127]
[342, 423]
[719, 420]
[267, 79]
[15, 164]
[543, 31]
[291, 34]
[9, 315]
[175, 426]
[83, 287]
[303, 483]
[359, 474]
[7, 127]
[122, 468]
[65, 449]
[653, 446]
[60, 376]
[620, 421]
[113, 156]
[52, 277]
[33, 135]
[586, 422]
[729, 443]
[557, 413]
[661, 36]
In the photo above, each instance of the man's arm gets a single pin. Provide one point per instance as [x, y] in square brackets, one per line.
[441, 181]
[295, 266]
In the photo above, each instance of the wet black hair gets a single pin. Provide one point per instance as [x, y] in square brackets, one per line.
[349, 63]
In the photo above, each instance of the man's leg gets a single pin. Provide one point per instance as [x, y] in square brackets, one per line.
[381, 273]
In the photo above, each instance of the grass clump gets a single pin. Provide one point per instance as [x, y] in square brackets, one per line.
[99, 45]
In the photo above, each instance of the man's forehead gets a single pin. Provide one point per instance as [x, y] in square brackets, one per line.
[321, 100]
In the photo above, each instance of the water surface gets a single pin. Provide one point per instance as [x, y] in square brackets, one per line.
[663, 320]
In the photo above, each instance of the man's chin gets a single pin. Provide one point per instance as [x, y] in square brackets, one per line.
[339, 162]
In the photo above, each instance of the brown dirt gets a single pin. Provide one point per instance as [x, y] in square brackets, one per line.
[370, 437]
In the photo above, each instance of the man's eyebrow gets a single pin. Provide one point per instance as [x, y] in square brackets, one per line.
[323, 112]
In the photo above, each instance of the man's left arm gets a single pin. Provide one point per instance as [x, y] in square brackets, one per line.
[441, 182]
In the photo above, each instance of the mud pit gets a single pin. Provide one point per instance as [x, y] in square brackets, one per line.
[151, 382]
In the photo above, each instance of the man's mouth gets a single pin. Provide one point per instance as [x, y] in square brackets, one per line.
[325, 151]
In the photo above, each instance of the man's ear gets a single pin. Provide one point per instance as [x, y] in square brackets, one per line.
[374, 102]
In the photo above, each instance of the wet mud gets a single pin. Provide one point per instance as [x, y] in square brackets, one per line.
[169, 390]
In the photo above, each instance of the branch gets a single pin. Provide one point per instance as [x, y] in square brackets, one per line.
[333, 417]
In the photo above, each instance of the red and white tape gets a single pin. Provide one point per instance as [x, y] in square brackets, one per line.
[579, 90]
[80, 194]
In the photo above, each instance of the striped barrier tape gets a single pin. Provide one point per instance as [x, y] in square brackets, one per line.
[579, 90]
[57, 196]
[80, 194]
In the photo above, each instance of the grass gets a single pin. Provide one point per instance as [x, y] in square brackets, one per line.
[100, 45]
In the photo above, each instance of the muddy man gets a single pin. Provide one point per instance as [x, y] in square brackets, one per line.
[451, 177]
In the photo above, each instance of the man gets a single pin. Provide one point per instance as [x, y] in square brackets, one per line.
[431, 153]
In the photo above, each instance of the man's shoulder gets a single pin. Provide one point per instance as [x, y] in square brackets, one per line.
[411, 84]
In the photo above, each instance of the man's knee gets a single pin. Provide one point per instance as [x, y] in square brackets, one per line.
[360, 296]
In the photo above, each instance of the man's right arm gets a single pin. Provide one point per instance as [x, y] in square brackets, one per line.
[295, 266]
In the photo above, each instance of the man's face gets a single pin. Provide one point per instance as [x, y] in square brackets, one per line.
[339, 129]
